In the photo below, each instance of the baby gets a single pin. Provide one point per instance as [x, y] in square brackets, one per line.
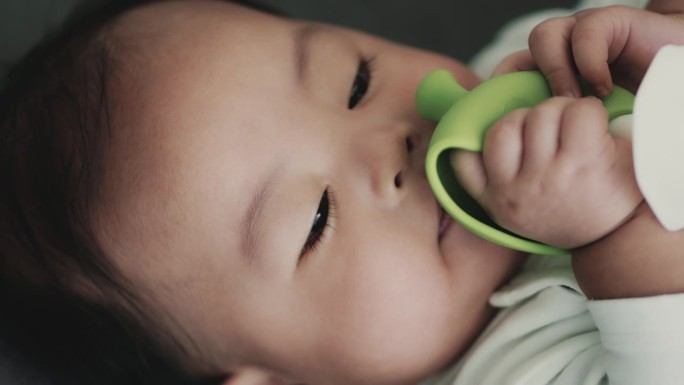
[241, 198]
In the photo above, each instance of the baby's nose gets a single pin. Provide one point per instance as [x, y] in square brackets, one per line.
[387, 155]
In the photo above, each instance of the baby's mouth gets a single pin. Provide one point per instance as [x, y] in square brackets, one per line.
[444, 222]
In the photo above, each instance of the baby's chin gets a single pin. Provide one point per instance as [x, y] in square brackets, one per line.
[456, 243]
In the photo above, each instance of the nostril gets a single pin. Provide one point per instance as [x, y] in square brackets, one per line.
[409, 144]
[398, 181]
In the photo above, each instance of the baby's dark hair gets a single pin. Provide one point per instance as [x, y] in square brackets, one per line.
[66, 309]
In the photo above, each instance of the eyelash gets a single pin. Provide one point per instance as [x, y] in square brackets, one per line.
[322, 221]
[360, 86]
[362, 82]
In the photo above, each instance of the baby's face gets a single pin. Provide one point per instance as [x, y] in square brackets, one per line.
[267, 186]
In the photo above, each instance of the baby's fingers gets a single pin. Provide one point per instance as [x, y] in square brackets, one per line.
[517, 61]
[593, 38]
[584, 132]
[502, 149]
[470, 171]
[550, 44]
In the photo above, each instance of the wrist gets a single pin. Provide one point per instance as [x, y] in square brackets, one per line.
[614, 230]
[639, 259]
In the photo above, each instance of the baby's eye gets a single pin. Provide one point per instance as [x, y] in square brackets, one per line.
[320, 221]
[361, 83]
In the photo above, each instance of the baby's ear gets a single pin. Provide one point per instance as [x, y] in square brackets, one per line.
[253, 376]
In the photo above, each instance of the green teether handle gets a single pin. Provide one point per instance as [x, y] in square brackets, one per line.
[438, 93]
[464, 118]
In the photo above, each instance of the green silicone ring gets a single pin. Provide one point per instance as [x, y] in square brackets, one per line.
[464, 118]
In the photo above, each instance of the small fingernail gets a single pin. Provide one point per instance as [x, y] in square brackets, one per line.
[602, 92]
[569, 93]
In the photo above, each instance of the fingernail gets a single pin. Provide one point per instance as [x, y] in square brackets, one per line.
[602, 92]
[569, 93]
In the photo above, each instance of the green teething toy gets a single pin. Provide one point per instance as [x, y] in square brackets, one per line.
[464, 117]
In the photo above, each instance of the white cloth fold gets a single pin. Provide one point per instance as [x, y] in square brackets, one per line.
[548, 333]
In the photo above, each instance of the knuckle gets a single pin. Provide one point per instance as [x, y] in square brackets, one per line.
[496, 137]
[588, 105]
[538, 35]
[538, 115]
[506, 127]
[584, 34]
[556, 101]
[556, 72]
[541, 30]
[505, 123]
[591, 102]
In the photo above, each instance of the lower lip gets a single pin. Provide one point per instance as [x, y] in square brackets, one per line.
[444, 222]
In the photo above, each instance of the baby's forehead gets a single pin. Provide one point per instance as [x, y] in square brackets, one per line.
[182, 65]
[155, 34]
[163, 18]
[157, 45]
[179, 123]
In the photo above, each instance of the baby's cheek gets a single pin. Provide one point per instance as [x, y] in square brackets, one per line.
[393, 319]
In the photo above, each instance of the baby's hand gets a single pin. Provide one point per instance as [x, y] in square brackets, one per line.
[596, 43]
[553, 173]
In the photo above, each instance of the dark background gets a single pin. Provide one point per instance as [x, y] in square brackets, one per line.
[455, 27]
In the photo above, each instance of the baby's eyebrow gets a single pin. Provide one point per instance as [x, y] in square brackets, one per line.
[252, 224]
[302, 41]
